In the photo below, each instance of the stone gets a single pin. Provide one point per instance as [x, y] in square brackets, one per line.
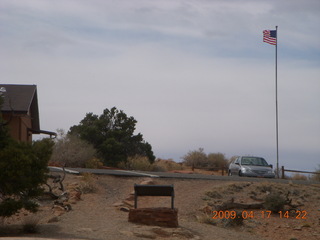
[147, 182]
[88, 230]
[53, 219]
[58, 210]
[130, 198]
[76, 195]
[207, 209]
[298, 228]
[124, 209]
[129, 203]
[118, 204]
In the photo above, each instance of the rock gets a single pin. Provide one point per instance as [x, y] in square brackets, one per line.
[127, 233]
[118, 204]
[152, 232]
[144, 233]
[124, 209]
[147, 182]
[75, 195]
[129, 203]
[53, 219]
[88, 230]
[207, 209]
[67, 206]
[162, 232]
[58, 210]
[130, 198]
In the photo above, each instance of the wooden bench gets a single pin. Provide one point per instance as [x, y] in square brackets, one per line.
[153, 190]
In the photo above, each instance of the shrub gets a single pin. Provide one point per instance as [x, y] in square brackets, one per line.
[199, 159]
[213, 194]
[136, 163]
[71, 151]
[196, 158]
[316, 177]
[264, 187]
[275, 202]
[30, 224]
[229, 222]
[207, 219]
[94, 163]
[88, 183]
[298, 176]
[217, 160]
[162, 165]
[25, 171]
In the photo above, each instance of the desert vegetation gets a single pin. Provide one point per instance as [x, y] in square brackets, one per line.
[199, 159]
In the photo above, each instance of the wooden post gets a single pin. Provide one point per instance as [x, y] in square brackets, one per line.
[282, 172]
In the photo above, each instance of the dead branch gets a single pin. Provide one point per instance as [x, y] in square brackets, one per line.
[57, 179]
[233, 205]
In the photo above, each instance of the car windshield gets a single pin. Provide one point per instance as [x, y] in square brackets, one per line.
[253, 161]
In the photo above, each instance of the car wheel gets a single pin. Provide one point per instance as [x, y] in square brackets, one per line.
[240, 174]
[229, 173]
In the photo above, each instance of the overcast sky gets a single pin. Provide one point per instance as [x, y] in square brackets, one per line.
[193, 73]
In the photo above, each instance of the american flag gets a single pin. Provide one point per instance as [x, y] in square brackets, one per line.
[270, 36]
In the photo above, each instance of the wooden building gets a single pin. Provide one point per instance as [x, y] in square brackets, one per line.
[20, 111]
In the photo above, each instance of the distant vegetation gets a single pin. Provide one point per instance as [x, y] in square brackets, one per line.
[199, 159]
[316, 177]
[142, 163]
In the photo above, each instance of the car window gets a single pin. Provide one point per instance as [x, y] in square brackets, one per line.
[261, 162]
[254, 161]
[246, 161]
[237, 160]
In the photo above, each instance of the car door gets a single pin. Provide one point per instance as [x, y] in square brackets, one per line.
[235, 166]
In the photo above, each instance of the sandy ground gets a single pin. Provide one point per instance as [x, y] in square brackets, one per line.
[96, 217]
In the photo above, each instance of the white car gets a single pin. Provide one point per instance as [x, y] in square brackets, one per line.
[251, 167]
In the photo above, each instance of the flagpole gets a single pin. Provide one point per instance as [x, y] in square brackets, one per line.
[276, 83]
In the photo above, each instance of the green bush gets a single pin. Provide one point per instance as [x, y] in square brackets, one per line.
[275, 202]
[23, 171]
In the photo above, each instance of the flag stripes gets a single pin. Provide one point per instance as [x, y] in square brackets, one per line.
[270, 36]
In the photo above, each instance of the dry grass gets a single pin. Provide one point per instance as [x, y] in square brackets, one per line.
[88, 183]
[298, 176]
[31, 224]
[162, 165]
[136, 163]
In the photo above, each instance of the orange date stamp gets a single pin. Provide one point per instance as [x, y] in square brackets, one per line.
[297, 214]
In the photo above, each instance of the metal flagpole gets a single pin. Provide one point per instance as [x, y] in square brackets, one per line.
[276, 83]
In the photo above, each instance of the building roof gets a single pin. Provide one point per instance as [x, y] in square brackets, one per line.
[21, 99]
